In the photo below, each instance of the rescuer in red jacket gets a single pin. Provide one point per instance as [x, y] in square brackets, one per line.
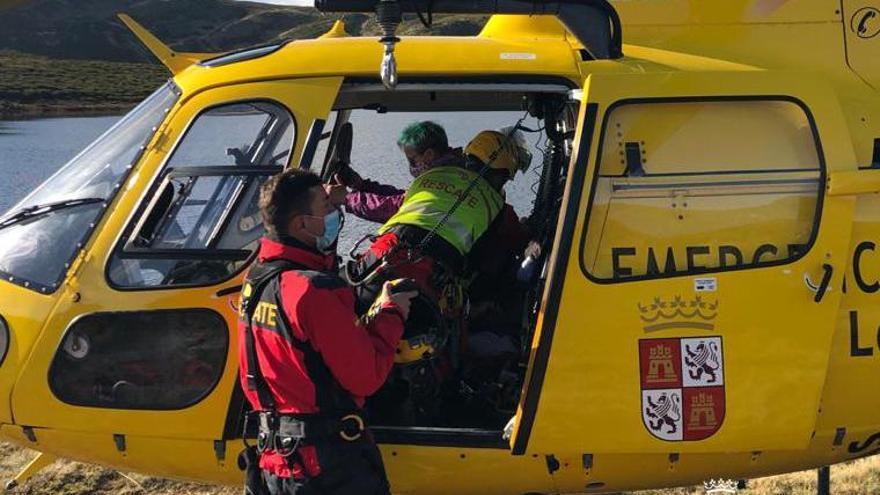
[307, 360]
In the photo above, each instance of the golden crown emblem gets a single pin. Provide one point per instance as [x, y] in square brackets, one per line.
[720, 487]
[695, 313]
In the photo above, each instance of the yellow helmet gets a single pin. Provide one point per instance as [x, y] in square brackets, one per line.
[424, 333]
[414, 349]
[505, 150]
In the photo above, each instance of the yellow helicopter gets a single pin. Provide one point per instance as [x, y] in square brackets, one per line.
[708, 208]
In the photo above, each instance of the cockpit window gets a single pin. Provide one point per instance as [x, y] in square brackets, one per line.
[41, 235]
[201, 221]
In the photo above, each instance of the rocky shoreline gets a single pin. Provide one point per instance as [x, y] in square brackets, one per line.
[48, 110]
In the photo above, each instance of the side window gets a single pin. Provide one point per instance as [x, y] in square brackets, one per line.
[141, 360]
[690, 187]
[202, 222]
[241, 134]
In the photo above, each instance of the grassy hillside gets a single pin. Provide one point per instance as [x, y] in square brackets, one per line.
[57, 57]
[64, 29]
[68, 478]
[37, 86]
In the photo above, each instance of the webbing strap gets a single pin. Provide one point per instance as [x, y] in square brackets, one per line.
[255, 380]
[480, 175]
[329, 395]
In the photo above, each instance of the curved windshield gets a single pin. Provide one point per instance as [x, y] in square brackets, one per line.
[98, 169]
[41, 234]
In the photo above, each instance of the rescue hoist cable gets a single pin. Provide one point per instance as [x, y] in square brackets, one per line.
[595, 23]
[473, 183]
[389, 16]
[429, 11]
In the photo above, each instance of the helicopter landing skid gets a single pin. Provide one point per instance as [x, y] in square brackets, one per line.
[40, 462]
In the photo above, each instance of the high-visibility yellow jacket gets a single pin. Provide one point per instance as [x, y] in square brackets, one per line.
[433, 194]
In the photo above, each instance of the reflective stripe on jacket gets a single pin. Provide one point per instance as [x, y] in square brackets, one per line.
[433, 194]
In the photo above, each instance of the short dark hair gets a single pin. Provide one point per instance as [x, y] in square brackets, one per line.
[423, 136]
[283, 196]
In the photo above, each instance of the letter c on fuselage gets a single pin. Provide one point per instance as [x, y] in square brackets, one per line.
[857, 267]
[762, 250]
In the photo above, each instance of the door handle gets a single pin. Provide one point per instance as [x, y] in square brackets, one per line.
[228, 291]
[828, 271]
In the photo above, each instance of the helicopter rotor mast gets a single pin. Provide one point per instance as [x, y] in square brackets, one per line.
[594, 23]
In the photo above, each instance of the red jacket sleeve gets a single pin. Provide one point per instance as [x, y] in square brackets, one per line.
[359, 357]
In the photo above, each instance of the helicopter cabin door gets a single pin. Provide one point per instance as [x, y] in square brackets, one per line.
[697, 270]
[138, 363]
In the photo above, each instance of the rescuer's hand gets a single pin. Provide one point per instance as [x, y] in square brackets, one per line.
[399, 293]
[528, 268]
[508, 429]
[337, 193]
[533, 250]
[348, 177]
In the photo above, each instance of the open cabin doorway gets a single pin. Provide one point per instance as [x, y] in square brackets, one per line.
[476, 380]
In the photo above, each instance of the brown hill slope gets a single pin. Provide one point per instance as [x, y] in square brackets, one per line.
[75, 56]
[89, 29]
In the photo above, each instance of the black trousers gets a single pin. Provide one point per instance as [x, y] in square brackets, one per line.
[347, 468]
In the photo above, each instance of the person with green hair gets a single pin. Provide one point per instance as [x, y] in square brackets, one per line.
[425, 146]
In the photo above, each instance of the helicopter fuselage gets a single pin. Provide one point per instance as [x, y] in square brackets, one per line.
[707, 304]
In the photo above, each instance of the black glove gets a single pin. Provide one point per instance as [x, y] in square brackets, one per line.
[346, 176]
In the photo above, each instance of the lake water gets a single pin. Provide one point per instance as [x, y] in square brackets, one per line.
[31, 150]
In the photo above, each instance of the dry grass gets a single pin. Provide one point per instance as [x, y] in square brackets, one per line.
[66, 477]
[857, 477]
[860, 477]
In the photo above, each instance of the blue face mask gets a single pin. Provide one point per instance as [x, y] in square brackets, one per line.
[332, 227]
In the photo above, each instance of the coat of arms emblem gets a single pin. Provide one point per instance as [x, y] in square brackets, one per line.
[682, 382]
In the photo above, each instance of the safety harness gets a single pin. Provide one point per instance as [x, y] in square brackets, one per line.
[339, 417]
[414, 250]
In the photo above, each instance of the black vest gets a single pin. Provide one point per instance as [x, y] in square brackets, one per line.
[262, 284]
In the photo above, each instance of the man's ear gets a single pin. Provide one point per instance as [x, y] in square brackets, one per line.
[429, 155]
[295, 225]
